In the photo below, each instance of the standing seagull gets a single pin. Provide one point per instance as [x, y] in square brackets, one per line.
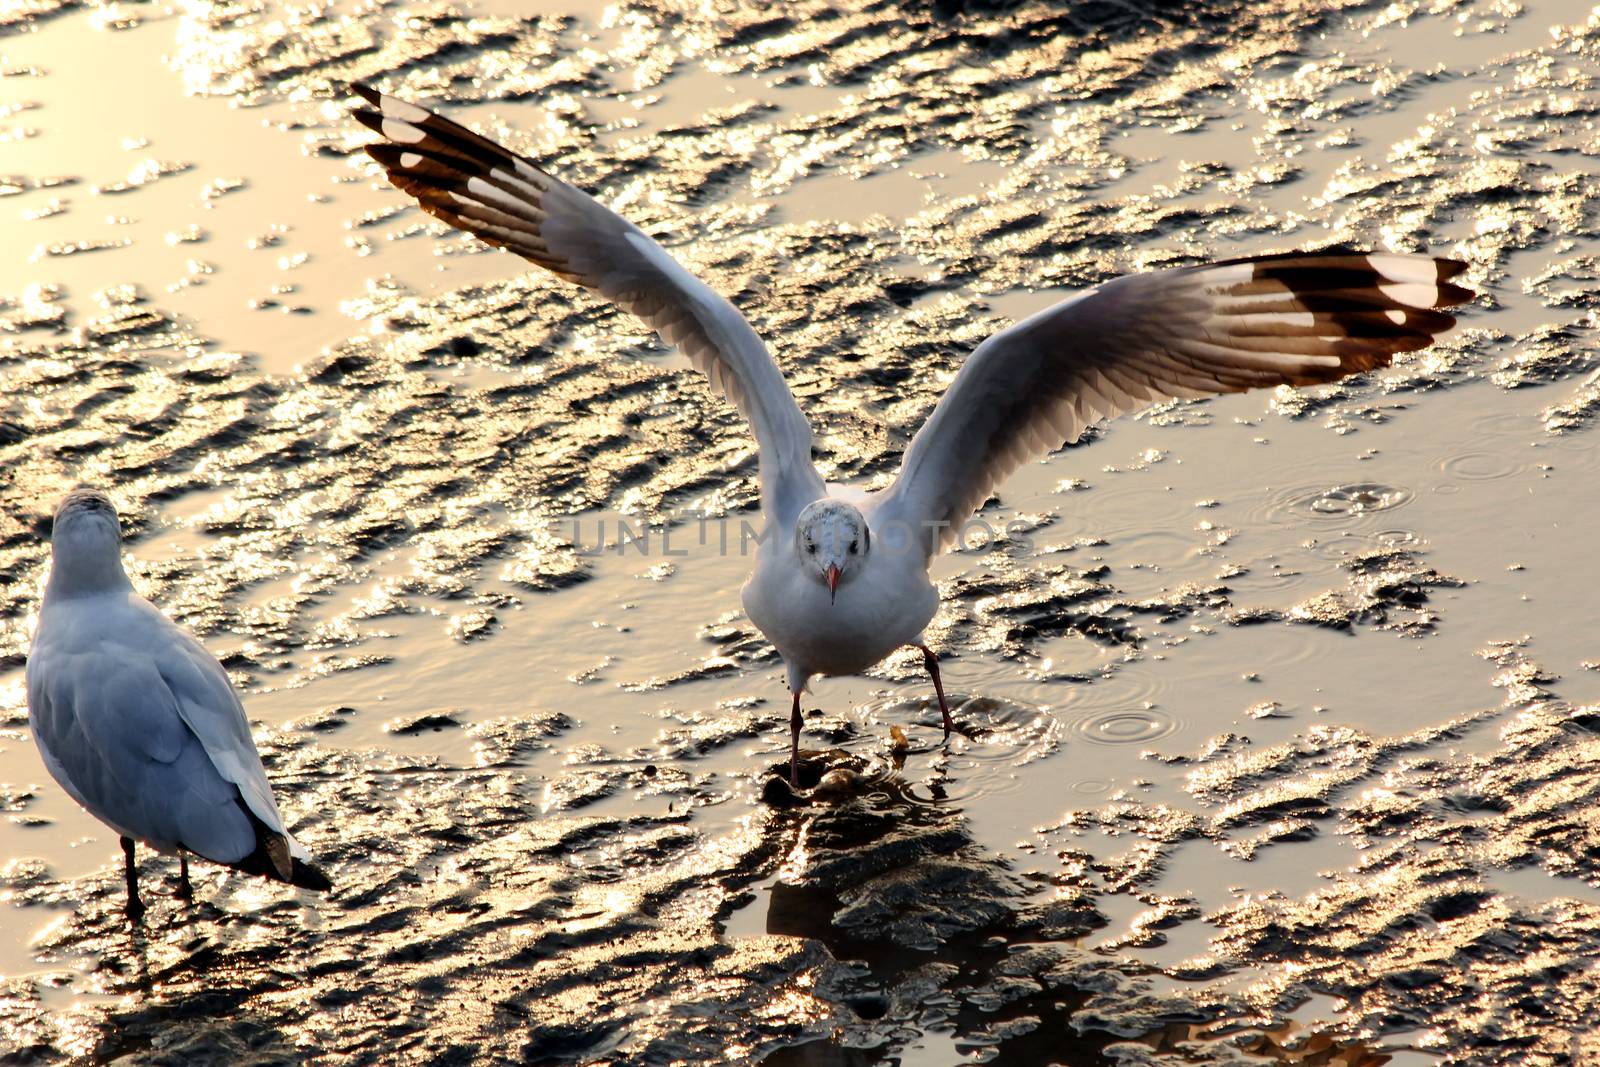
[139, 723]
[842, 583]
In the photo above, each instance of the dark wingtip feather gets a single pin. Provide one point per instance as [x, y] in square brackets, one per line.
[306, 876]
[385, 153]
[367, 93]
[302, 875]
[369, 118]
[262, 864]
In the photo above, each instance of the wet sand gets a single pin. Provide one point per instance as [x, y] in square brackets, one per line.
[1280, 726]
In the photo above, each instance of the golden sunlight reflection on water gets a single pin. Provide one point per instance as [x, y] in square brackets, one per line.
[1234, 577]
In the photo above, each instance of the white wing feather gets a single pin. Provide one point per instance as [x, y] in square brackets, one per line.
[485, 189]
[1294, 319]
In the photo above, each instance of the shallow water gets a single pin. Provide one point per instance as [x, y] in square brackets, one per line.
[1278, 732]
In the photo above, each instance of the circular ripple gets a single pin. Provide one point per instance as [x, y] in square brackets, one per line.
[1482, 466]
[993, 739]
[1338, 504]
[1135, 726]
[1341, 547]
[1360, 498]
[1398, 538]
[1114, 688]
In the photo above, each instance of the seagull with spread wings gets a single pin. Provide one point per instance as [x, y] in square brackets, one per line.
[842, 580]
[139, 723]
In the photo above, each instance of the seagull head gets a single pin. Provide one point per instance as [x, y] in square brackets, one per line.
[86, 544]
[831, 537]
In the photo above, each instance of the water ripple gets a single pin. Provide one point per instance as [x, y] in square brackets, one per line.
[1135, 726]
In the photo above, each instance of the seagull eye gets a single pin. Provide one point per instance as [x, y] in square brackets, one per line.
[811, 549]
[852, 548]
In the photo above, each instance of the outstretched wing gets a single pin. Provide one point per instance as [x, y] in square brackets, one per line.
[1296, 319]
[479, 186]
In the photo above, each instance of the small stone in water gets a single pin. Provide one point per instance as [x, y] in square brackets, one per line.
[839, 782]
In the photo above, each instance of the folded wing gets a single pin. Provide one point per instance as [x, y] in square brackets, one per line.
[143, 728]
[503, 198]
[205, 701]
[110, 731]
[1293, 319]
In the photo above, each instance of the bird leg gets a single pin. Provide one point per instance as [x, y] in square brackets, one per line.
[931, 661]
[794, 743]
[135, 905]
[185, 890]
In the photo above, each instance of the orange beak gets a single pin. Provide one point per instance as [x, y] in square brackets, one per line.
[833, 581]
